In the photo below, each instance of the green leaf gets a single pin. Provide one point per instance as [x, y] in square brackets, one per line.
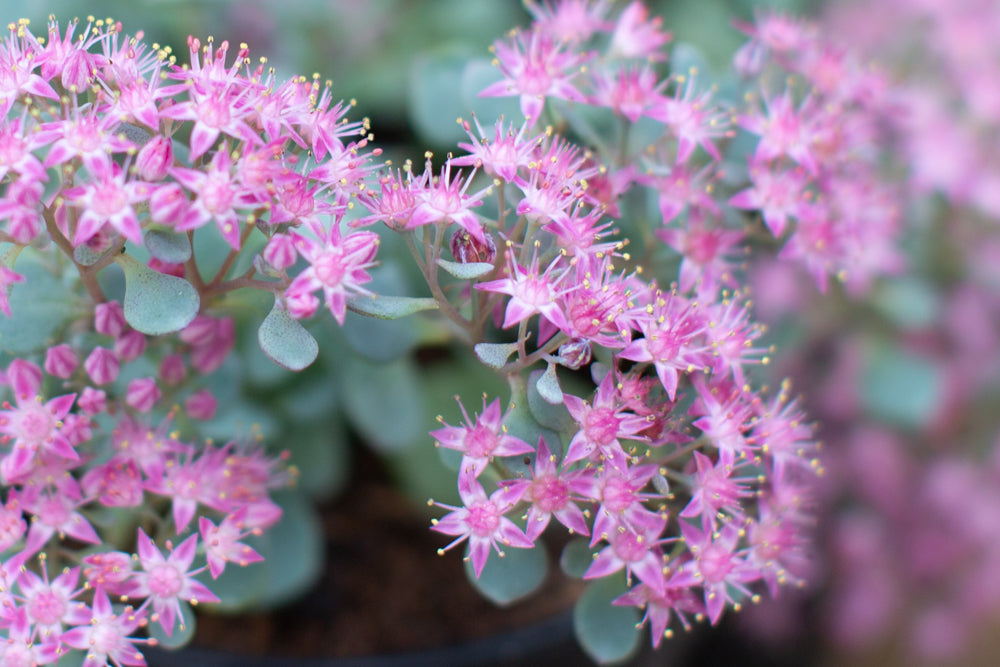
[85, 255]
[469, 271]
[390, 307]
[39, 306]
[549, 415]
[385, 402]
[156, 303]
[900, 387]
[576, 557]
[521, 423]
[495, 355]
[548, 386]
[167, 246]
[505, 580]
[607, 633]
[286, 341]
[184, 629]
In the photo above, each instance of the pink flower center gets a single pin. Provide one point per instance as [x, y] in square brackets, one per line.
[329, 268]
[480, 442]
[663, 347]
[11, 149]
[214, 112]
[629, 546]
[217, 194]
[109, 199]
[715, 563]
[535, 291]
[47, 608]
[618, 496]
[483, 519]
[35, 424]
[549, 493]
[165, 581]
[534, 80]
[601, 426]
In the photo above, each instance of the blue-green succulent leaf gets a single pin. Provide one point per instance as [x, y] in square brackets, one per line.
[286, 341]
[507, 579]
[156, 303]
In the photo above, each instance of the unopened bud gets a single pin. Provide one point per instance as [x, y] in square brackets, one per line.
[466, 249]
[575, 354]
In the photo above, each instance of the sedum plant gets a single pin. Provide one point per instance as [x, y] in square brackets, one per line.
[587, 249]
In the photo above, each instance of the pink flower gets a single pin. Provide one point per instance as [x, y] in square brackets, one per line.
[535, 67]
[718, 566]
[676, 598]
[532, 292]
[601, 425]
[553, 493]
[218, 196]
[444, 199]
[573, 21]
[108, 199]
[222, 543]
[637, 36]
[637, 550]
[165, 581]
[7, 278]
[481, 441]
[481, 521]
[500, 155]
[337, 265]
[117, 483]
[104, 635]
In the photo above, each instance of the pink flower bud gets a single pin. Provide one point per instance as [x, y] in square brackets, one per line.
[92, 401]
[201, 331]
[575, 354]
[101, 366]
[130, 345]
[155, 158]
[172, 369]
[142, 394]
[61, 361]
[109, 571]
[201, 405]
[301, 306]
[12, 524]
[78, 429]
[467, 250]
[24, 377]
[115, 483]
[207, 357]
[109, 319]
[168, 204]
[280, 252]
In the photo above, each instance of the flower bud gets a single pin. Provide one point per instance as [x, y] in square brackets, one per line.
[101, 366]
[168, 204]
[466, 249]
[172, 369]
[109, 319]
[155, 158]
[61, 361]
[280, 252]
[301, 306]
[92, 401]
[77, 428]
[575, 353]
[201, 405]
[142, 394]
[130, 345]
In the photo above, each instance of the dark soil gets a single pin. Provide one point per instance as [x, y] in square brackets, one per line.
[385, 589]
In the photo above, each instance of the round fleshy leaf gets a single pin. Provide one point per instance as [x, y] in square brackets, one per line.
[495, 355]
[521, 423]
[436, 96]
[576, 557]
[167, 246]
[184, 629]
[85, 256]
[505, 580]
[390, 307]
[39, 305]
[606, 632]
[548, 386]
[156, 303]
[384, 402]
[469, 271]
[286, 341]
[550, 415]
